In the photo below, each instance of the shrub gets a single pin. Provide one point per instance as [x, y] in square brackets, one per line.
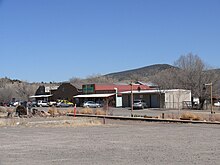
[171, 116]
[217, 117]
[61, 113]
[213, 117]
[53, 111]
[86, 111]
[3, 109]
[70, 111]
[190, 116]
[145, 116]
[100, 112]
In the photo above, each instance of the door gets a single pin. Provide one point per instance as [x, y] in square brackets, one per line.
[155, 101]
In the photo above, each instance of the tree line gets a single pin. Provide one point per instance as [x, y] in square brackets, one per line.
[20, 90]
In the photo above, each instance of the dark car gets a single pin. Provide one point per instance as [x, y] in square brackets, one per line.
[139, 104]
[33, 104]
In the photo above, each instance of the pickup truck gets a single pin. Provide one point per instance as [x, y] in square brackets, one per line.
[42, 103]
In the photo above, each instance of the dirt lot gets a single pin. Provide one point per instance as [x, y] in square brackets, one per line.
[117, 142]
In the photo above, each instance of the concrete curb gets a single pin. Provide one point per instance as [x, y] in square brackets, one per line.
[146, 119]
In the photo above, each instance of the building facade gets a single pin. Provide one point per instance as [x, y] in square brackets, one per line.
[169, 99]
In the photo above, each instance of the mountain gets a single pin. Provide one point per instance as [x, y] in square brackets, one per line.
[140, 72]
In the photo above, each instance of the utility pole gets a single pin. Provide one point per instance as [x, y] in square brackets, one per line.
[116, 97]
[131, 99]
[210, 84]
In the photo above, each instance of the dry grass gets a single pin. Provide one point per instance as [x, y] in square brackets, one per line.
[100, 112]
[54, 112]
[3, 109]
[70, 111]
[190, 116]
[213, 117]
[50, 122]
[217, 117]
[86, 111]
[171, 116]
[12, 122]
[61, 113]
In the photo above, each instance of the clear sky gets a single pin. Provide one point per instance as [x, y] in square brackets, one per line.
[55, 40]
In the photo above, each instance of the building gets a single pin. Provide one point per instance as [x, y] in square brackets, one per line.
[65, 91]
[111, 88]
[44, 93]
[110, 93]
[170, 99]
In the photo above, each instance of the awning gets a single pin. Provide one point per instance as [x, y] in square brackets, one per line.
[95, 95]
[39, 96]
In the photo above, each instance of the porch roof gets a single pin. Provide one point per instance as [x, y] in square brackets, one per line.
[95, 95]
[39, 96]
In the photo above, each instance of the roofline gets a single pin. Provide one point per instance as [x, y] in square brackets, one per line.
[38, 96]
[95, 95]
[153, 91]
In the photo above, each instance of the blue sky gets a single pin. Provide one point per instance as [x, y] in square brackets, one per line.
[55, 40]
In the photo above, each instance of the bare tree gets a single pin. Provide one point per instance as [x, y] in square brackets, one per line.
[24, 90]
[6, 94]
[10, 89]
[194, 74]
[191, 73]
[166, 79]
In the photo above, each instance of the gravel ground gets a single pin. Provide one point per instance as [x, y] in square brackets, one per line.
[117, 142]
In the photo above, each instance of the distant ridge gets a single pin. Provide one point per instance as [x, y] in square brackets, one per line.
[146, 71]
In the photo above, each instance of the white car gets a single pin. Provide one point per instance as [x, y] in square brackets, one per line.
[42, 103]
[91, 104]
[217, 104]
[139, 104]
[16, 103]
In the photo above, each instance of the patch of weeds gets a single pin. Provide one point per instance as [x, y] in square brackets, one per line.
[86, 111]
[190, 116]
[100, 112]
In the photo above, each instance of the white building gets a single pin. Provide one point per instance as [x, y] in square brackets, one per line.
[170, 99]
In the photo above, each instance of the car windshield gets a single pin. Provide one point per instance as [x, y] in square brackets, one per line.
[137, 101]
[90, 102]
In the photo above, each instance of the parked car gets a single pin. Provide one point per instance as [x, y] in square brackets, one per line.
[139, 104]
[64, 103]
[91, 104]
[16, 103]
[52, 103]
[217, 104]
[42, 103]
[33, 104]
[61, 104]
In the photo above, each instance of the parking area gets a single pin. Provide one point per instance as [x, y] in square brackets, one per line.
[118, 142]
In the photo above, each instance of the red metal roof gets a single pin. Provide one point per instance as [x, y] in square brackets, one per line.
[121, 88]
